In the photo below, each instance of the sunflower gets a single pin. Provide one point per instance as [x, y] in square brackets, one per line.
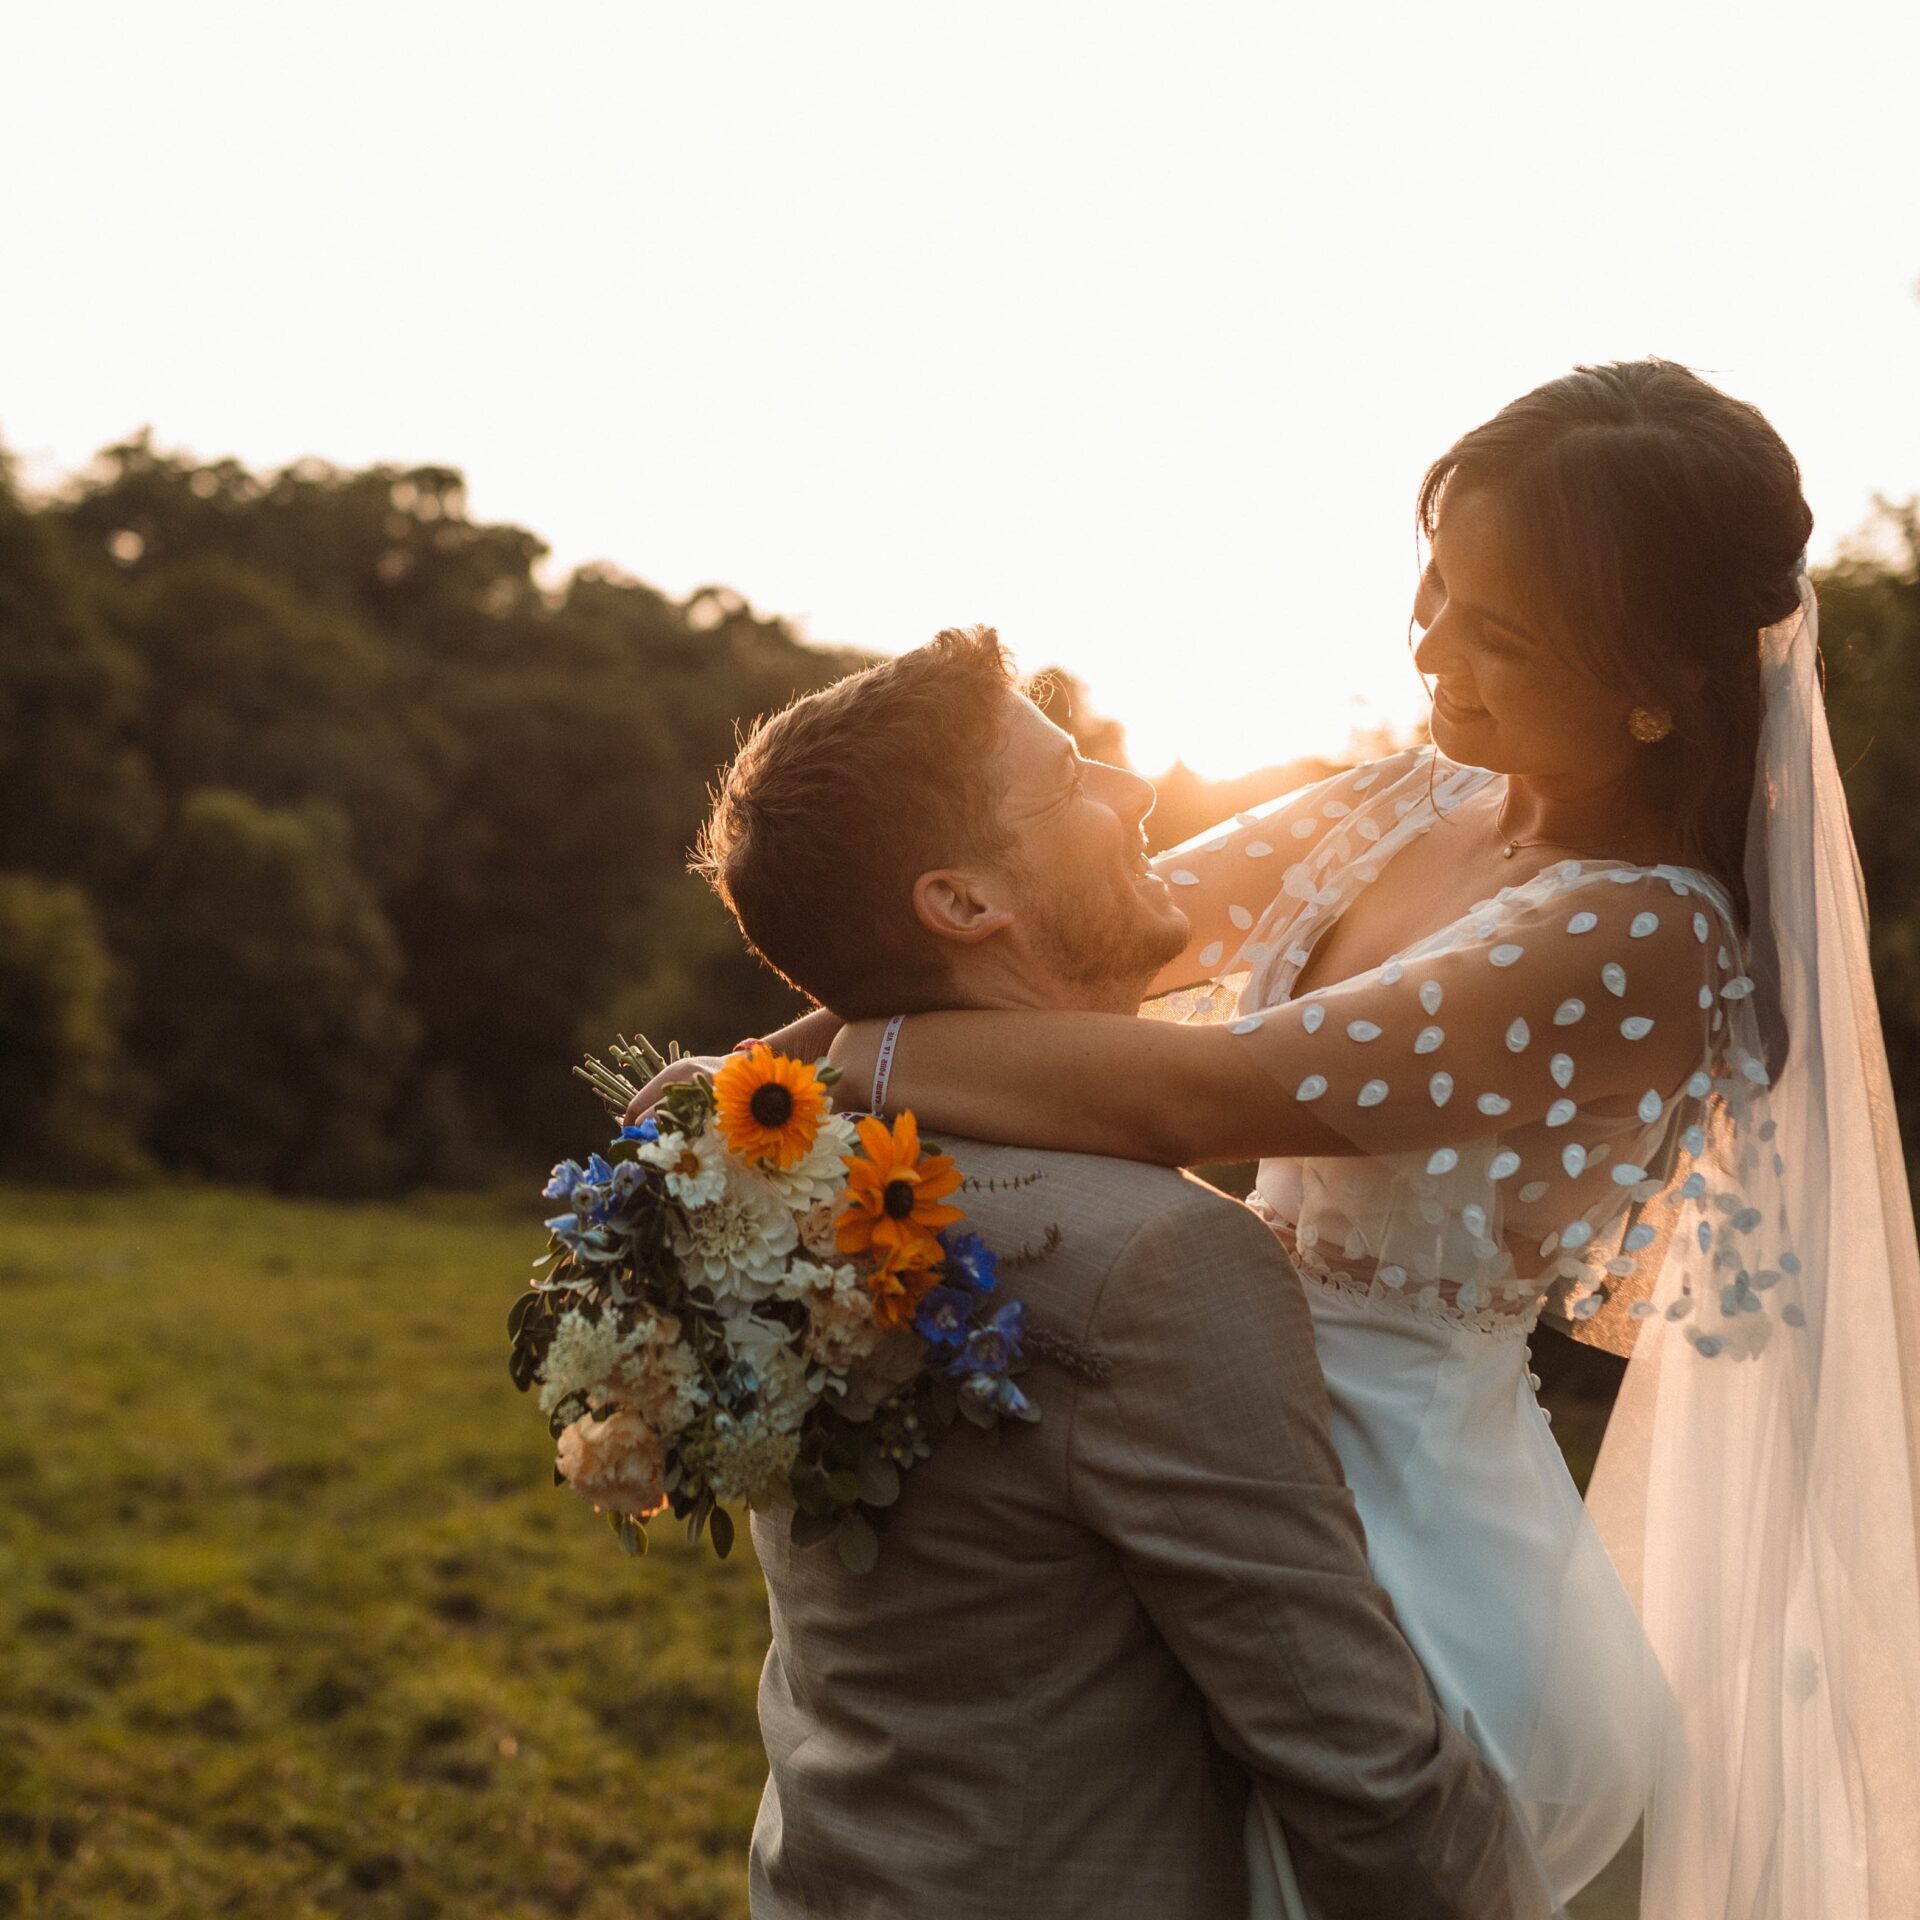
[894, 1196]
[769, 1108]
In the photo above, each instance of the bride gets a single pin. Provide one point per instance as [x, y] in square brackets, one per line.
[1570, 1011]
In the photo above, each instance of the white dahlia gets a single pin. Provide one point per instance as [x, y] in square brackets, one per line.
[737, 1246]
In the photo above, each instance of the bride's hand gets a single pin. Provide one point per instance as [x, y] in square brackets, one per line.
[686, 1068]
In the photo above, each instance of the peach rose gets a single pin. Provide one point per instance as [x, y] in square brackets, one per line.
[615, 1463]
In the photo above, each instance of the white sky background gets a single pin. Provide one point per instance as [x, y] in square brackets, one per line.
[1127, 329]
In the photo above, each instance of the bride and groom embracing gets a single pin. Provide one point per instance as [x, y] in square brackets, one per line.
[1287, 1605]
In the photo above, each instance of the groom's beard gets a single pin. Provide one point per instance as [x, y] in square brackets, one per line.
[1095, 934]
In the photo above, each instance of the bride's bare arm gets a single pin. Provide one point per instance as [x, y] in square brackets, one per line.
[1104, 1083]
[1606, 991]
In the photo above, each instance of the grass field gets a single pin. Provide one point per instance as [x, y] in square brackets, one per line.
[295, 1622]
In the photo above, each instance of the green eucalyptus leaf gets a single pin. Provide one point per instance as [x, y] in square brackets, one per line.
[809, 1529]
[858, 1545]
[517, 1313]
[843, 1488]
[721, 1528]
[879, 1481]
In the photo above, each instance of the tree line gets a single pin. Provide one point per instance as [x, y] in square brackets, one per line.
[330, 837]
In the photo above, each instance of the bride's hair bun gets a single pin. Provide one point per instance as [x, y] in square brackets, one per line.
[1654, 525]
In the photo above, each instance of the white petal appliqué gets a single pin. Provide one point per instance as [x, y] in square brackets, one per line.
[1560, 1113]
[1392, 973]
[1213, 953]
[1252, 1024]
[1257, 849]
[1574, 1158]
[1504, 1162]
[1615, 977]
[1362, 1030]
[1443, 1160]
[1311, 1088]
[1636, 1027]
[1180, 877]
[1493, 1104]
[1311, 1016]
[1568, 1011]
[1628, 1175]
[1431, 994]
[1474, 1219]
[1737, 989]
[1639, 1237]
[1644, 924]
[1651, 1106]
[1372, 1094]
[1699, 1085]
[1575, 1235]
[1533, 1190]
[1700, 928]
[1429, 1040]
[1583, 923]
[1240, 917]
[1519, 1036]
[1506, 955]
[1441, 1088]
[1561, 1067]
[1303, 829]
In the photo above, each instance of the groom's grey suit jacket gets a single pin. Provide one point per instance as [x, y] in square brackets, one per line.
[1087, 1638]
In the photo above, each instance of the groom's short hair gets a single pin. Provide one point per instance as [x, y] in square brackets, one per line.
[835, 806]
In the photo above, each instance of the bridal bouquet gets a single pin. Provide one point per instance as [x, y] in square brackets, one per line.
[758, 1300]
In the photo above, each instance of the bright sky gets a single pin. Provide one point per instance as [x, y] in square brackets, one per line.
[1129, 329]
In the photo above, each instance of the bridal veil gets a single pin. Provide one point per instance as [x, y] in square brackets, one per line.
[1759, 1485]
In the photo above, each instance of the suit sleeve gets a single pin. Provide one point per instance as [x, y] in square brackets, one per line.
[1206, 1459]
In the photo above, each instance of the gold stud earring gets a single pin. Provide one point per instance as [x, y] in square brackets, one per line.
[1648, 724]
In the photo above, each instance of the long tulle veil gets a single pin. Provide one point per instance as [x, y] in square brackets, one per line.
[1759, 1485]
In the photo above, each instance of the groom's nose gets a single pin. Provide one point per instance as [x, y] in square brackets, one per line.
[1129, 794]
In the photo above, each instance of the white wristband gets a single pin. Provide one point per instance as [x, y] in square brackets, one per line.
[883, 1066]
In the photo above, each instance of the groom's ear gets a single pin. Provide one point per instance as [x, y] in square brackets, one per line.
[954, 905]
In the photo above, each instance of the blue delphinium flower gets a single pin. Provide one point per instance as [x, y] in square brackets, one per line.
[562, 1181]
[991, 1396]
[970, 1263]
[648, 1129]
[942, 1319]
[992, 1348]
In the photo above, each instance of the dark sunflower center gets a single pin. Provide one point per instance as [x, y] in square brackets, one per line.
[898, 1199]
[771, 1105]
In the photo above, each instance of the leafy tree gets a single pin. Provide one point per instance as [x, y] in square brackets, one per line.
[64, 1099]
[268, 1005]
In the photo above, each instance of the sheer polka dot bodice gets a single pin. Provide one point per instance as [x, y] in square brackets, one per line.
[1512, 1091]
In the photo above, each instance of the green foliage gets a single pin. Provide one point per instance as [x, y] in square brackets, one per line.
[268, 1008]
[377, 828]
[62, 1093]
[1870, 638]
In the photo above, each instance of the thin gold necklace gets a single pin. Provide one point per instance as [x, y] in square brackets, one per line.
[1513, 846]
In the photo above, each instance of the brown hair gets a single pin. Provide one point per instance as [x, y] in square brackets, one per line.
[834, 807]
[1655, 525]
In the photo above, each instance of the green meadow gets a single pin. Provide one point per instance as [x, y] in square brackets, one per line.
[296, 1623]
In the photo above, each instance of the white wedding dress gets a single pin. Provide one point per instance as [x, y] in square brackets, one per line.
[1488, 1184]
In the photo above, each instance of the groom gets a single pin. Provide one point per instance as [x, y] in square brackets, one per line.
[1090, 1640]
